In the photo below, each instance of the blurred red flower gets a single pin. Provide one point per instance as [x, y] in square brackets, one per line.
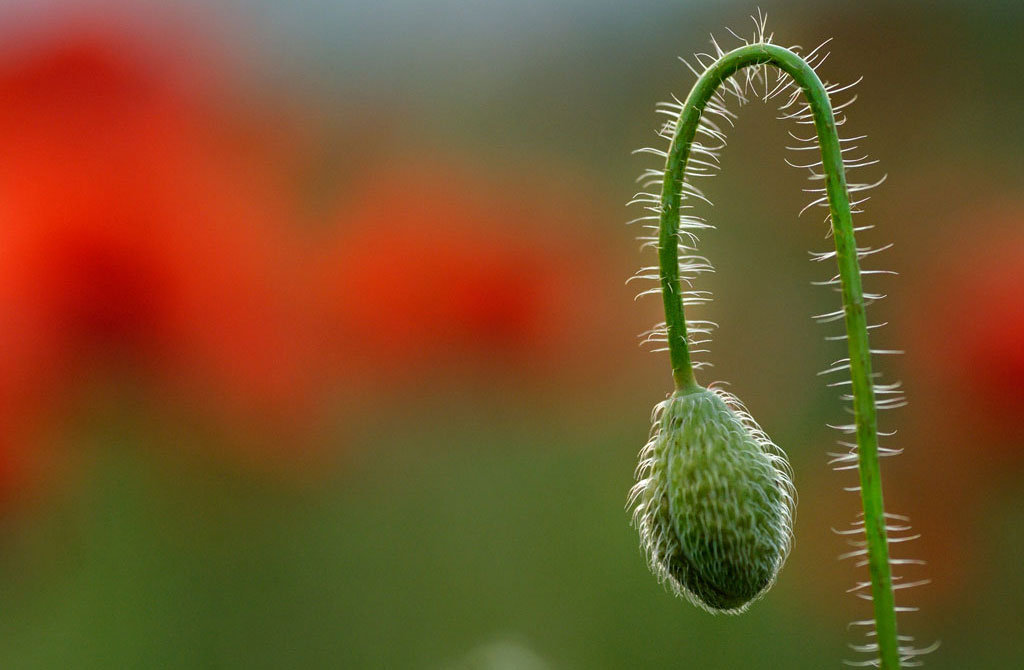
[148, 227]
[991, 330]
[965, 345]
[436, 269]
[970, 335]
[137, 231]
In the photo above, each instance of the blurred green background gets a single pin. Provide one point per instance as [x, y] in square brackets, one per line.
[317, 352]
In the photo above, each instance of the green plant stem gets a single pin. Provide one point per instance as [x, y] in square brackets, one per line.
[853, 298]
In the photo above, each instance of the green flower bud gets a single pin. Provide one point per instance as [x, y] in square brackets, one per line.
[714, 501]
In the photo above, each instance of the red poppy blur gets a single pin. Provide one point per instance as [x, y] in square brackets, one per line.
[136, 233]
[992, 335]
[150, 228]
[963, 332]
[436, 268]
[970, 335]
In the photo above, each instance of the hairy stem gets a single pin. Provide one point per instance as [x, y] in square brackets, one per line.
[853, 298]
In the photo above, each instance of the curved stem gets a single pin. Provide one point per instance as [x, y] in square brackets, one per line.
[853, 299]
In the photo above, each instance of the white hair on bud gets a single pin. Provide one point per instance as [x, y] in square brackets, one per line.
[713, 502]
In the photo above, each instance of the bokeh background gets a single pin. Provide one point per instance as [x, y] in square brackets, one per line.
[316, 351]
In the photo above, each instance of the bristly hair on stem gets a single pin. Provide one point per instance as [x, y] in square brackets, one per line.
[695, 131]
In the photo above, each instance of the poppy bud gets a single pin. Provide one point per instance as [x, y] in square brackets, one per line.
[714, 501]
